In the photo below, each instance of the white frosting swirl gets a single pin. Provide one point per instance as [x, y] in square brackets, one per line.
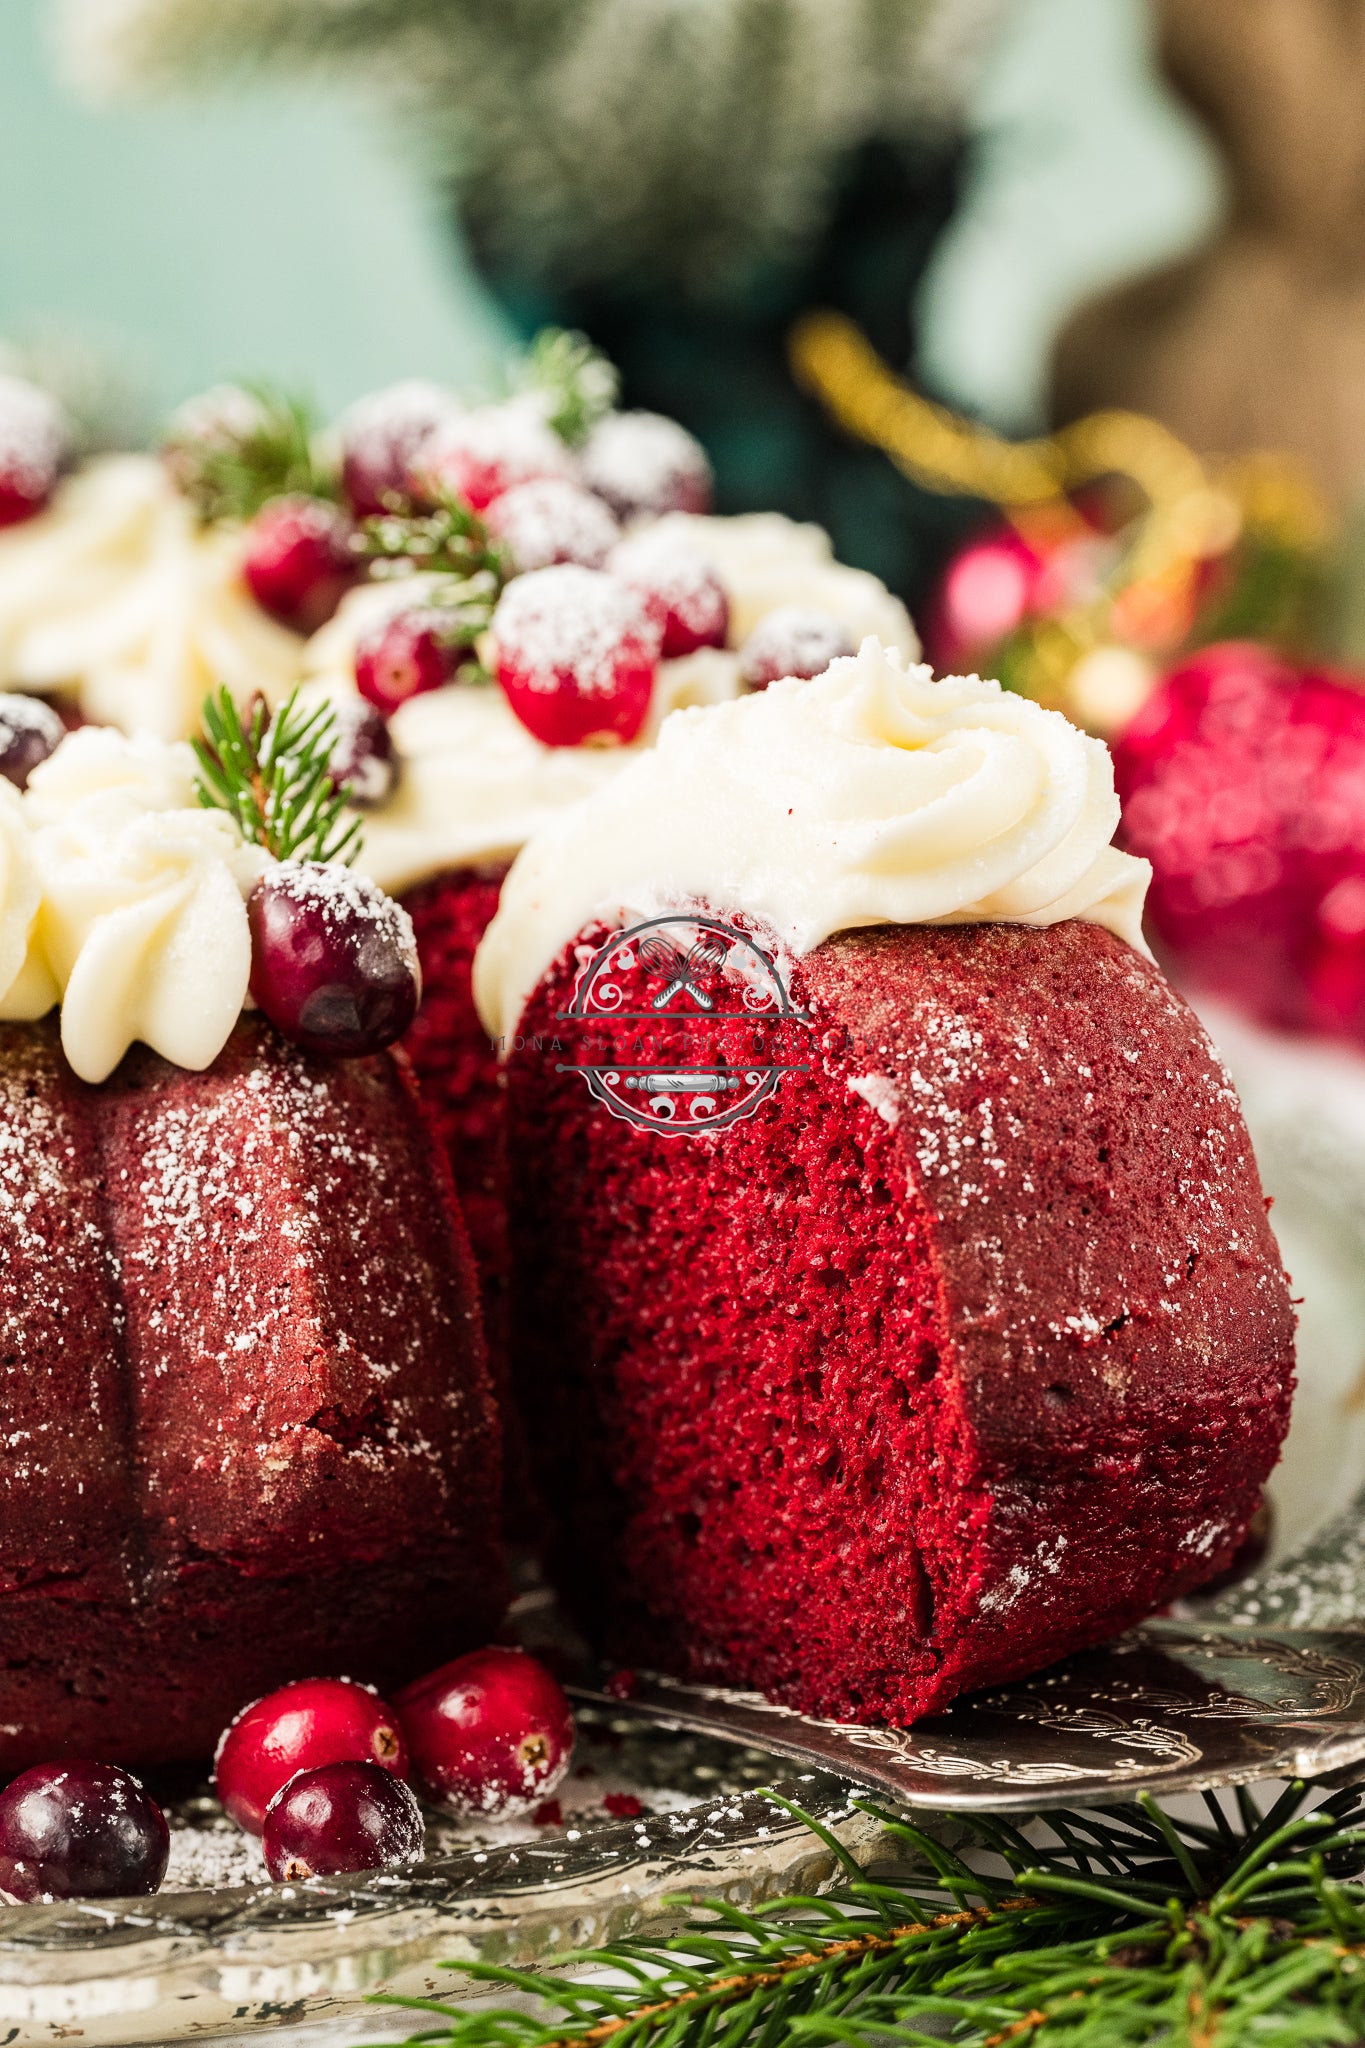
[869, 795]
[118, 593]
[133, 911]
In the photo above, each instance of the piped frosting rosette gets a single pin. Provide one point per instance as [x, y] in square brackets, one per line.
[120, 596]
[124, 900]
[869, 795]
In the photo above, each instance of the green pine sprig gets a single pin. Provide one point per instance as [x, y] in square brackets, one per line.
[230, 472]
[445, 539]
[273, 777]
[576, 380]
[1124, 1926]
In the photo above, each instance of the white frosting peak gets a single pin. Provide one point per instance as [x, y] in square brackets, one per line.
[123, 898]
[869, 795]
[118, 593]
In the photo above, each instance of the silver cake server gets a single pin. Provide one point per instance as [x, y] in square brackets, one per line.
[1267, 1681]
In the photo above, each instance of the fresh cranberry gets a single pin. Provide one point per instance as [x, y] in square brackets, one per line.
[642, 462]
[792, 642]
[333, 959]
[80, 1831]
[29, 731]
[341, 1817]
[33, 446]
[410, 652]
[380, 437]
[550, 521]
[680, 587]
[479, 455]
[489, 1734]
[314, 1721]
[577, 654]
[363, 755]
[624, 1805]
[299, 564]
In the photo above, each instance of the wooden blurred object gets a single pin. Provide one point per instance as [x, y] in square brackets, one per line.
[1257, 339]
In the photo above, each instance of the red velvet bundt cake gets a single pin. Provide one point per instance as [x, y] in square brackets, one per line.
[251, 1430]
[966, 1343]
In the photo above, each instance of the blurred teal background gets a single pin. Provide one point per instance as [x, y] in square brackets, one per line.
[280, 230]
[274, 231]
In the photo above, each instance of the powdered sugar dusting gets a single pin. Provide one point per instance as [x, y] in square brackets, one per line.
[679, 578]
[551, 520]
[645, 462]
[574, 622]
[792, 641]
[346, 901]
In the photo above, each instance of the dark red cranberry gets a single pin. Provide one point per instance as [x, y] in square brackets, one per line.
[338, 1818]
[489, 1734]
[792, 642]
[80, 1831]
[312, 1722]
[333, 959]
[363, 754]
[480, 454]
[577, 654]
[551, 520]
[33, 446]
[410, 653]
[299, 564]
[680, 587]
[643, 462]
[29, 731]
[624, 1805]
[380, 437]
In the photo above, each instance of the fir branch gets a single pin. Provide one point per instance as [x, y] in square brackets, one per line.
[445, 539]
[578, 383]
[232, 450]
[273, 777]
[1208, 1934]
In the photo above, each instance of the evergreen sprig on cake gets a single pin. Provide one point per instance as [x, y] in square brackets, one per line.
[273, 776]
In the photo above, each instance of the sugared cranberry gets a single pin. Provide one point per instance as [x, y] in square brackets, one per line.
[642, 462]
[380, 437]
[34, 443]
[312, 1722]
[298, 563]
[680, 587]
[364, 755]
[333, 959]
[792, 642]
[224, 420]
[481, 454]
[490, 1733]
[552, 521]
[577, 654]
[410, 652]
[338, 1818]
[80, 1831]
[29, 731]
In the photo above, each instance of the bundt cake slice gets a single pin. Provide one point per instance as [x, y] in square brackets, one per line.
[250, 1427]
[964, 1343]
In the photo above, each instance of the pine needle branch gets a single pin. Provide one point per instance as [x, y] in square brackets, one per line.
[273, 777]
[576, 381]
[261, 448]
[1210, 1934]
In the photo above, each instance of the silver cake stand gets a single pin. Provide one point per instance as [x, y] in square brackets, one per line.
[1268, 1681]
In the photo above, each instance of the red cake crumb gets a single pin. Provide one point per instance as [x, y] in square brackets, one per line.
[249, 1430]
[969, 1347]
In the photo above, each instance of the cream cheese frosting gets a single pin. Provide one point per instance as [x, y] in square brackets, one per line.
[869, 795]
[124, 900]
[119, 595]
[474, 785]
